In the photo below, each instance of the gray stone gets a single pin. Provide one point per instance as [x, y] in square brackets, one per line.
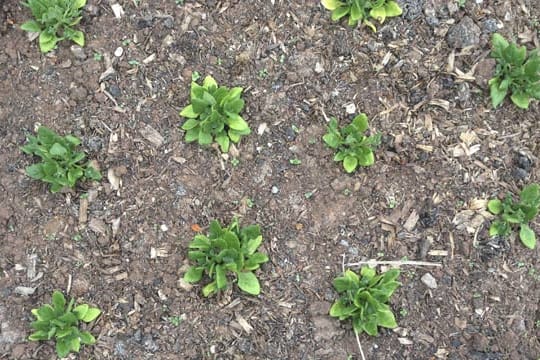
[429, 281]
[78, 52]
[463, 34]
[412, 9]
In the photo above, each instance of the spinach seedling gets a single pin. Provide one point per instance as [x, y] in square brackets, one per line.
[516, 73]
[364, 299]
[229, 250]
[511, 213]
[54, 21]
[214, 115]
[62, 323]
[353, 147]
[361, 10]
[60, 164]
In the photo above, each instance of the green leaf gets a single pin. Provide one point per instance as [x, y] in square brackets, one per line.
[35, 171]
[58, 150]
[236, 122]
[223, 140]
[91, 314]
[47, 42]
[75, 344]
[331, 4]
[221, 279]
[62, 348]
[91, 173]
[530, 195]
[192, 135]
[209, 82]
[360, 122]
[194, 274]
[81, 310]
[209, 289]
[190, 124]
[521, 99]
[378, 13]
[497, 95]
[340, 310]
[58, 301]
[39, 335]
[87, 338]
[369, 327]
[355, 12]
[204, 138]
[366, 158]
[499, 42]
[78, 37]
[386, 319]
[350, 163]
[495, 206]
[332, 140]
[340, 12]
[77, 4]
[188, 112]
[392, 9]
[248, 282]
[253, 244]
[527, 236]
[254, 261]
[31, 26]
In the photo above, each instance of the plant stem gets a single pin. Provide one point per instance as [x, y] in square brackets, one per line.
[359, 346]
[394, 263]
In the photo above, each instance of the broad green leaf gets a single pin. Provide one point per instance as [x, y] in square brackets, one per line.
[91, 173]
[200, 242]
[340, 12]
[356, 13]
[341, 310]
[253, 244]
[204, 138]
[58, 150]
[190, 124]
[194, 274]
[386, 319]
[331, 140]
[368, 272]
[223, 140]
[331, 4]
[35, 171]
[39, 335]
[378, 13]
[527, 236]
[87, 338]
[209, 82]
[81, 310]
[233, 135]
[72, 140]
[360, 123]
[199, 106]
[78, 38]
[392, 9]
[188, 112]
[77, 4]
[62, 348]
[221, 279]
[192, 135]
[366, 158]
[495, 206]
[58, 301]
[209, 289]
[350, 163]
[234, 93]
[370, 25]
[370, 327]
[75, 344]
[47, 42]
[234, 106]
[248, 282]
[62, 333]
[497, 95]
[91, 314]
[236, 122]
[255, 260]
[499, 44]
[530, 195]
[342, 284]
[31, 26]
[521, 100]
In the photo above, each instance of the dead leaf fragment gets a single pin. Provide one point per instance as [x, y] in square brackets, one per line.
[244, 324]
[114, 180]
[196, 228]
[83, 210]
[98, 226]
[152, 135]
[411, 221]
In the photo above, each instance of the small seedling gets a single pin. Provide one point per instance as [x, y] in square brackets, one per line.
[225, 251]
[60, 164]
[364, 299]
[353, 147]
[295, 161]
[512, 213]
[98, 56]
[195, 76]
[516, 73]
[62, 323]
[54, 21]
[213, 115]
[361, 10]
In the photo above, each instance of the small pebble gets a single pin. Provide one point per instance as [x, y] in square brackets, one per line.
[429, 281]
[275, 189]
[78, 52]
[119, 51]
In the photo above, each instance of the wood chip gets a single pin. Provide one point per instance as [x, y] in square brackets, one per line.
[121, 276]
[244, 324]
[24, 290]
[411, 221]
[151, 134]
[117, 10]
[438, 252]
[114, 180]
[405, 341]
[98, 226]
[83, 210]
[426, 148]
[149, 59]
[440, 103]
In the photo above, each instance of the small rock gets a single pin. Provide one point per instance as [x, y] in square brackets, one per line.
[275, 189]
[429, 281]
[491, 25]
[114, 90]
[463, 34]
[91, 10]
[149, 344]
[479, 342]
[119, 51]
[78, 93]
[520, 173]
[319, 69]
[484, 72]
[464, 94]
[524, 162]
[94, 143]
[78, 52]
[168, 23]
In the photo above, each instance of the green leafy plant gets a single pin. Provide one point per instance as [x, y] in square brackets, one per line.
[353, 147]
[214, 114]
[54, 21]
[516, 73]
[60, 164]
[226, 251]
[62, 323]
[364, 299]
[512, 213]
[361, 10]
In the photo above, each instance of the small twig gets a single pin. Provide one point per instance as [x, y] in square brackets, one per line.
[394, 263]
[343, 263]
[359, 346]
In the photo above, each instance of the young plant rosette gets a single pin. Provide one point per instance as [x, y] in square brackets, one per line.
[361, 10]
[61, 323]
[227, 255]
[364, 298]
[214, 115]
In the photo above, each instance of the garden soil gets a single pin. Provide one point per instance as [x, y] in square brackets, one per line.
[121, 243]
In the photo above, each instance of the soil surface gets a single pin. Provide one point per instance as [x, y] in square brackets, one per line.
[421, 79]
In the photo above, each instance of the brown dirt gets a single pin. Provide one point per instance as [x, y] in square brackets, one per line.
[297, 66]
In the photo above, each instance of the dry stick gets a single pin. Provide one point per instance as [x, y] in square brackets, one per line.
[395, 263]
[359, 345]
